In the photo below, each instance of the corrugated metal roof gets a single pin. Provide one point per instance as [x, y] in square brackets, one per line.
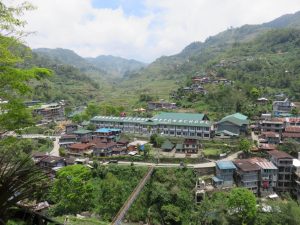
[237, 118]
[177, 119]
[263, 163]
[225, 165]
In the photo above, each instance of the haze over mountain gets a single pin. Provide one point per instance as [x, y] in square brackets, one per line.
[107, 66]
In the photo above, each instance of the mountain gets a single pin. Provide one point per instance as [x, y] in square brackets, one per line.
[197, 58]
[103, 66]
[116, 65]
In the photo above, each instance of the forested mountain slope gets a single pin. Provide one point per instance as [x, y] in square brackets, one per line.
[261, 53]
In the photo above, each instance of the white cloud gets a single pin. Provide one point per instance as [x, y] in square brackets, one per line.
[166, 28]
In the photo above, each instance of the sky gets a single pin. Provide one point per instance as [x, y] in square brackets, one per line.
[141, 29]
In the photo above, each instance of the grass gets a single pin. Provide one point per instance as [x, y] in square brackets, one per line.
[212, 152]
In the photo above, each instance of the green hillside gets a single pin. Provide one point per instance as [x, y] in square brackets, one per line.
[265, 55]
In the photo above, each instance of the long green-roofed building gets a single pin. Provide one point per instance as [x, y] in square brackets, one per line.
[188, 125]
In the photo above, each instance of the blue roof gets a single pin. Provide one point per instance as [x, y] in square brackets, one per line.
[225, 165]
[107, 130]
[103, 130]
[115, 129]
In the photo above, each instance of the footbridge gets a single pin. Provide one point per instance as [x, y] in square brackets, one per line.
[122, 212]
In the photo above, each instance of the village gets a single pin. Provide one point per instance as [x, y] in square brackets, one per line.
[211, 148]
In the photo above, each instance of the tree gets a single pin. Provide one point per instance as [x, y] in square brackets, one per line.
[245, 145]
[254, 93]
[242, 206]
[20, 180]
[72, 190]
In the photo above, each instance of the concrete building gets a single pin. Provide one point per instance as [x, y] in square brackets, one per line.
[224, 174]
[267, 176]
[53, 111]
[186, 125]
[284, 162]
[272, 126]
[247, 175]
[296, 179]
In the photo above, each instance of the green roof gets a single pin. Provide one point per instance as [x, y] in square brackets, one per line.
[180, 116]
[179, 119]
[237, 118]
[179, 146]
[82, 131]
[167, 145]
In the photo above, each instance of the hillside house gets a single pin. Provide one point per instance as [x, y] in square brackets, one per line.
[270, 137]
[280, 107]
[161, 105]
[48, 162]
[109, 134]
[234, 124]
[291, 132]
[284, 162]
[70, 128]
[104, 149]
[296, 178]
[53, 111]
[267, 176]
[80, 149]
[67, 139]
[83, 134]
[247, 175]
[224, 174]
[276, 126]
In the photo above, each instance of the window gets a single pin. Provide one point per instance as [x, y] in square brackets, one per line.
[206, 135]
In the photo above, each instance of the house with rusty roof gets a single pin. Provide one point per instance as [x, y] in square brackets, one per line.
[233, 125]
[80, 149]
[267, 176]
[247, 175]
[105, 148]
[292, 132]
[284, 162]
[270, 137]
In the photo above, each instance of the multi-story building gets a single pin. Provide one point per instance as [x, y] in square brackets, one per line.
[296, 178]
[53, 111]
[292, 132]
[224, 174]
[284, 162]
[186, 125]
[247, 175]
[272, 126]
[267, 176]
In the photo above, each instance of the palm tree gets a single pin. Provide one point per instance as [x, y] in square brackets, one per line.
[20, 179]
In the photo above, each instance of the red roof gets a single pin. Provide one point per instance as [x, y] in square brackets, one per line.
[292, 129]
[267, 147]
[280, 154]
[246, 165]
